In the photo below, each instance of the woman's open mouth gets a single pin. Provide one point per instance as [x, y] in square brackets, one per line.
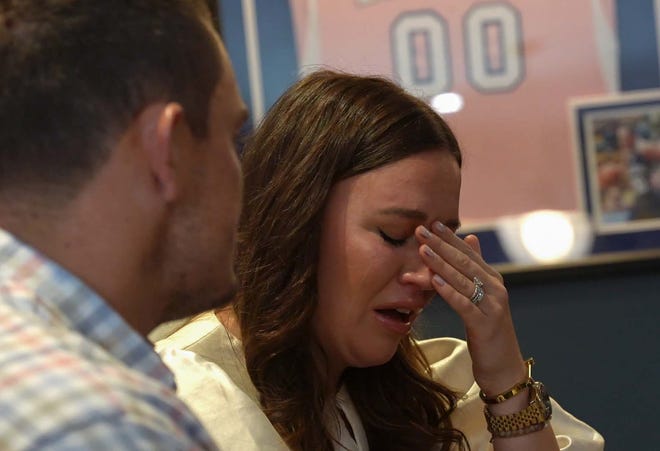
[399, 314]
[397, 320]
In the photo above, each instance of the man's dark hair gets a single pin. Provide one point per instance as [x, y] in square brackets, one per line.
[74, 73]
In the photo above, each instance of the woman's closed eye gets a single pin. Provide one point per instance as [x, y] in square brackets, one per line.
[396, 242]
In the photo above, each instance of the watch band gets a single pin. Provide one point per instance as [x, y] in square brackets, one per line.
[513, 391]
[532, 418]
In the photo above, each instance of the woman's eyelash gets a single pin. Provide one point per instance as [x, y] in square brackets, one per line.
[393, 241]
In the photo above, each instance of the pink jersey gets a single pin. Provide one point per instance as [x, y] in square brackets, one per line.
[515, 63]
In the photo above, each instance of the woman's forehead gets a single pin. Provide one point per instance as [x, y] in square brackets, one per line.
[425, 182]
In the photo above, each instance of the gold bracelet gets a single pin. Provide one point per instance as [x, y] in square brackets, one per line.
[532, 418]
[519, 432]
[513, 391]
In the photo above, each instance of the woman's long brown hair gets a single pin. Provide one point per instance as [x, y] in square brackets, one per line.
[327, 127]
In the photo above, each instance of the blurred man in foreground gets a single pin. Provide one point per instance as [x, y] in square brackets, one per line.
[119, 197]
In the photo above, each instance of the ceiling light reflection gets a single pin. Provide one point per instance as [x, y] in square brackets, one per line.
[447, 103]
[545, 236]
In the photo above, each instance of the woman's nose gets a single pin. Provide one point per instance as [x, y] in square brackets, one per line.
[416, 273]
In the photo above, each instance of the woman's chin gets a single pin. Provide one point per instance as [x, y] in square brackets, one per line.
[375, 358]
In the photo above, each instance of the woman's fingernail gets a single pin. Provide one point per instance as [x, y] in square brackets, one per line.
[425, 232]
[439, 227]
[428, 251]
[438, 280]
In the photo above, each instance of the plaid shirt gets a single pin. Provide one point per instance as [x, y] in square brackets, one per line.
[73, 374]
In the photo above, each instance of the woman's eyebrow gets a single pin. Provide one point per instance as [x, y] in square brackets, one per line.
[410, 213]
[453, 224]
[405, 212]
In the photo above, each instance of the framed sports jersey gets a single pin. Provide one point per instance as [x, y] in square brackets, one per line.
[516, 66]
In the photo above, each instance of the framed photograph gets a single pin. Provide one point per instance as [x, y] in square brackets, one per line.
[618, 150]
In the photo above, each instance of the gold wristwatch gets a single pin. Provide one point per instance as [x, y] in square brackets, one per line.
[532, 418]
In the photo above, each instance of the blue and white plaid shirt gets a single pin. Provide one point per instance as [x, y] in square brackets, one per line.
[73, 374]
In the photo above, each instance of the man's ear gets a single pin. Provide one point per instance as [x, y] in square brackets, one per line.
[158, 124]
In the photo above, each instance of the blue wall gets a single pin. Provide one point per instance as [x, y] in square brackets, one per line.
[594, 336]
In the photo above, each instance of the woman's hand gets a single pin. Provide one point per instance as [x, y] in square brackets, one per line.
[497, 363]
[496, 360]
